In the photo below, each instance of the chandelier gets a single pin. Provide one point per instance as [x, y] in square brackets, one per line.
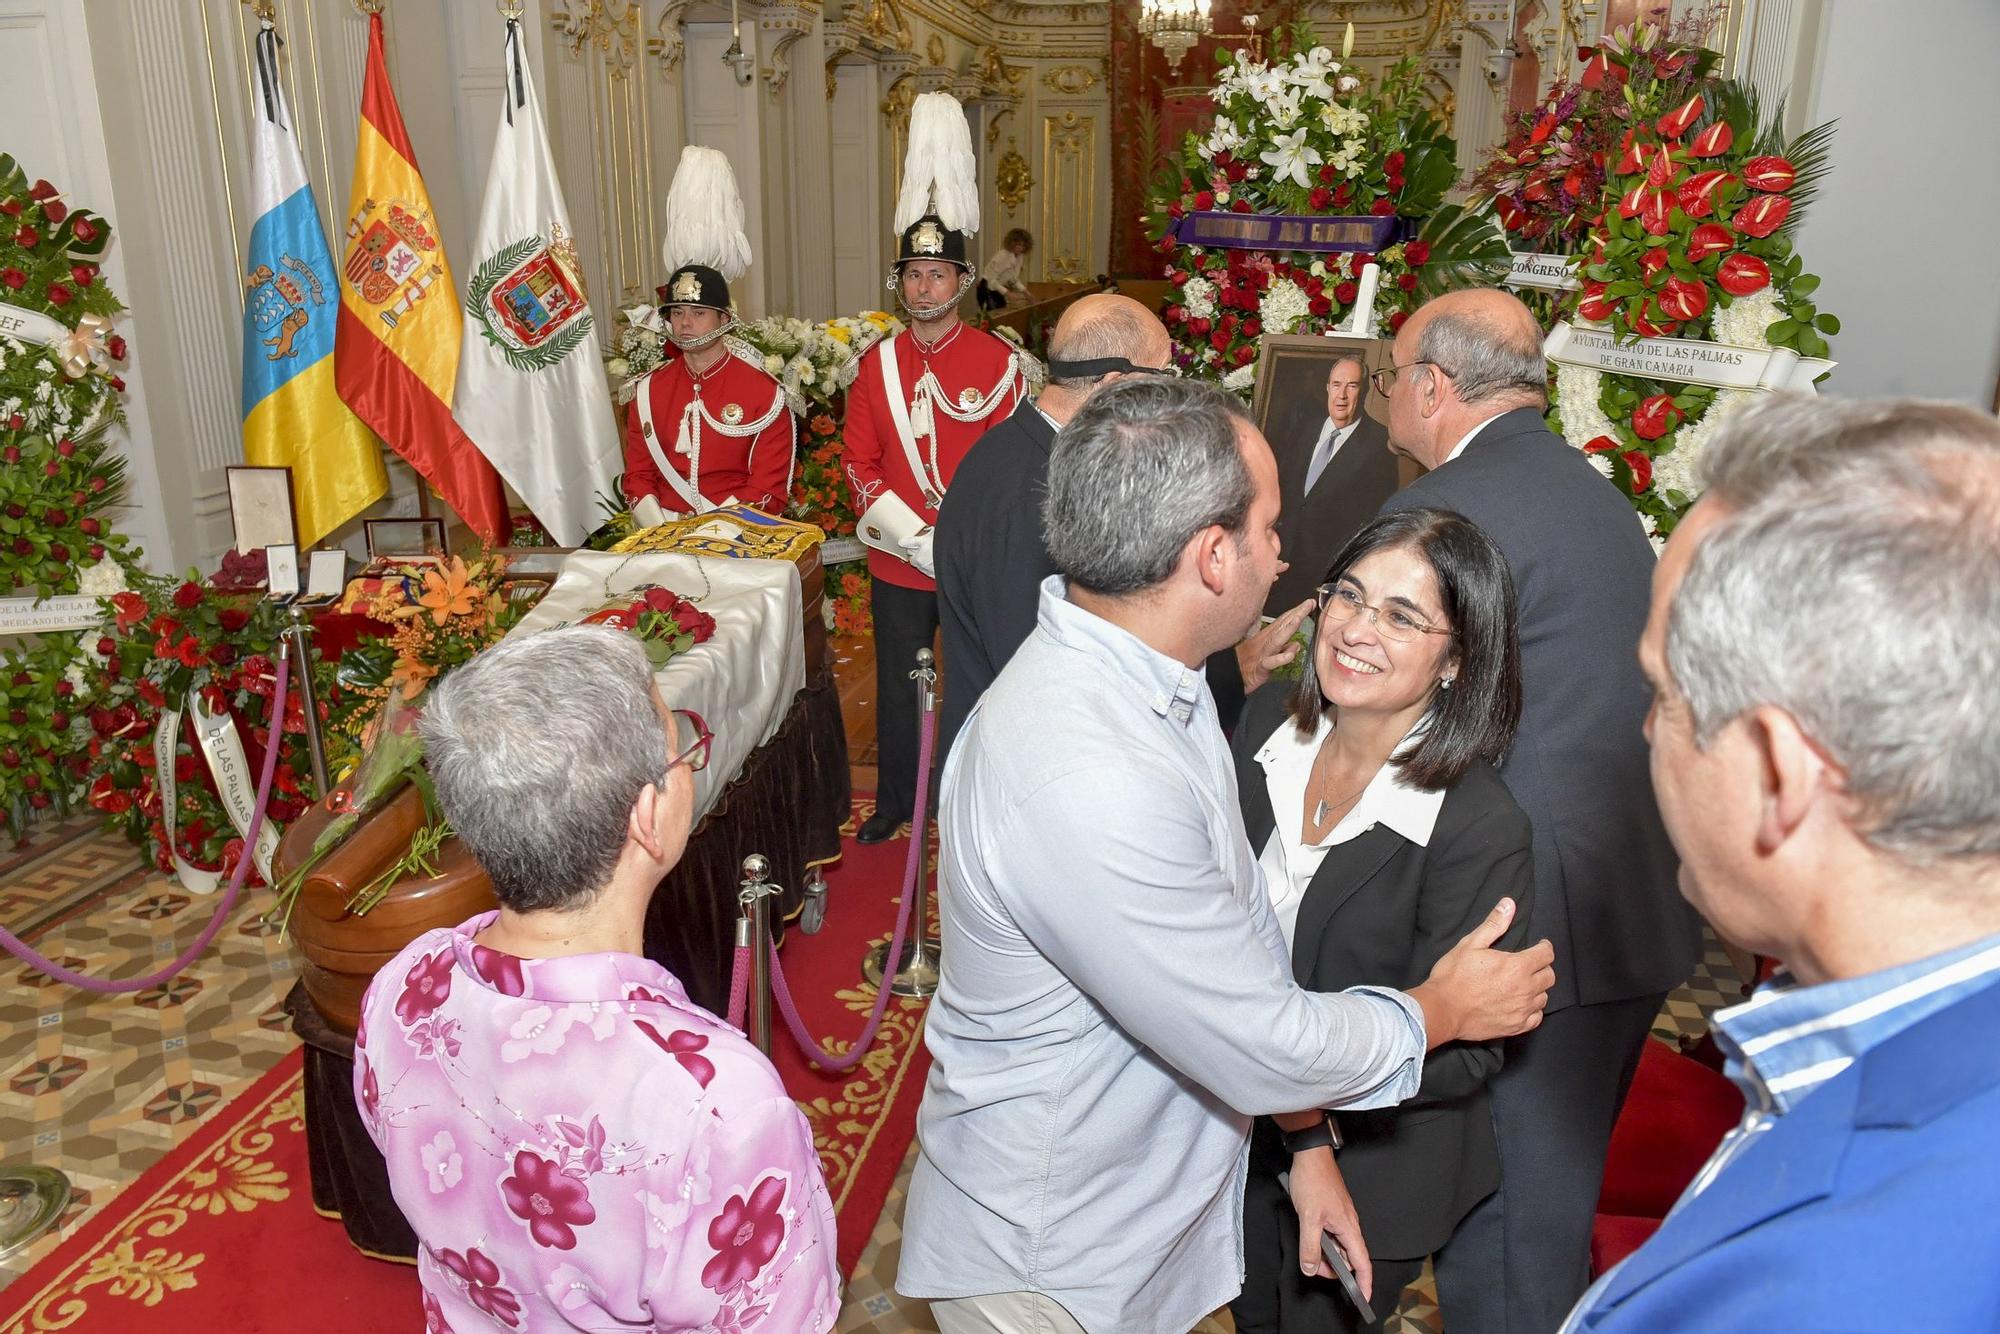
[1175, 26]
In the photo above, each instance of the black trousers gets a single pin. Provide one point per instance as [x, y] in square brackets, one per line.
[1521, 1259]
[906, 619]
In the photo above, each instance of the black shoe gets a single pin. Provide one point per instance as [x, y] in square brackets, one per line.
[878, 827]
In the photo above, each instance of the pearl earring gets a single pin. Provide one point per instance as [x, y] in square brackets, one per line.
[1445, 683]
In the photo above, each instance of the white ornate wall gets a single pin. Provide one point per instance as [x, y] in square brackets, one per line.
[140, 108]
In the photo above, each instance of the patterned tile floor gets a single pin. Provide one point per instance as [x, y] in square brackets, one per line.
[102, 1086]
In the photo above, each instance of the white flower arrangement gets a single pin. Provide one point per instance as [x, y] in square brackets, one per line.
[1283, 304]
[101, 580]
[1198, 295]
[1241, 378]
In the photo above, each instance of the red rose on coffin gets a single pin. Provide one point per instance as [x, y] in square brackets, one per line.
[1602, 444]
[1595, 306]
[1642, 469]
[55, 211]
[1772, 175]
[1711, 238]
[1239, 206]
[1382, 208]
[1713, 141]
[14, 279]
[1204, 200]
[1393, 164]
[187, 596]
[85, 230]
[1655, 417]
[1407, 281]
[1346, 292]
[1199, 327]
[1740, 275]
[1683, 300]
[1320, 199]
[1763, 215]
[1676, 122]
[1697, 192]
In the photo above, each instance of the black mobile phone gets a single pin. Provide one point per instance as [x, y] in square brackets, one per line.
[1341, 1269]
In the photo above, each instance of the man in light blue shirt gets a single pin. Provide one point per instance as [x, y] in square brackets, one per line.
[1824, 651]
[1117, 1001]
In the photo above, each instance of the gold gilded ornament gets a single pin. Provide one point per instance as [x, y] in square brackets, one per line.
[732, 413]
[687, 286]
[929, 239]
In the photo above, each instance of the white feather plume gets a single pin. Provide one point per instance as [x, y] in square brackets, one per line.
[939, 173]
[705, 216]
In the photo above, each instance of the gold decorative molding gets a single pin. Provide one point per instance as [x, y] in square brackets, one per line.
[1069, 80]
[611, 26]
[934, 50]
[1069, 193]
[1012, 179]
[670, 44]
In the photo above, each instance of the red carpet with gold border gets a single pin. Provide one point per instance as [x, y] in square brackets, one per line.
[221, 1234]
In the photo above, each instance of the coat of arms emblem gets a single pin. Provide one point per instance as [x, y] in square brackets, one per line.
[388, 261]
[528, 298]
[687, 286]
[929, 240]
[281, 302]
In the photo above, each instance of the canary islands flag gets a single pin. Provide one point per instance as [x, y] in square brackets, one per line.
[292, 415]
[396, 349]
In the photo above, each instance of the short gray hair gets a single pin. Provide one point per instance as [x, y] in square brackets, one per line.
[1144, 465]
[538, 747]
[1854, 582]
[1485, 357]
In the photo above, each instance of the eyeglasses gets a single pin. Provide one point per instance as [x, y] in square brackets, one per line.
[696, 755]
[1384, 379]
[1340, 604]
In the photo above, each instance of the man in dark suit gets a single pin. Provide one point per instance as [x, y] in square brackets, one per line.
[1466, 395]
[988, 550]
[1334, 473]
[1833, 794]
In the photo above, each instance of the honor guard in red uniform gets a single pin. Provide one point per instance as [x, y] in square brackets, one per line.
[918, 402]
[709, 427]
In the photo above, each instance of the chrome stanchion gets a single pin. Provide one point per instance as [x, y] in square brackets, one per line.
[32, 1199]
[309, 707]
[917, 971]
[753, 928]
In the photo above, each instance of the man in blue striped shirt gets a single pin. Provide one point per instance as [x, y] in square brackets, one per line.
[1824, 650]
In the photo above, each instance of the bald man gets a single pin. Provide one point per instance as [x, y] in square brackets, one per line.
[988, 550]
[1466, 398]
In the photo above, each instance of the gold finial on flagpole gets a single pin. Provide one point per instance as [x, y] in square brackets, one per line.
[368, 6]
[511, 10]
[264, 10]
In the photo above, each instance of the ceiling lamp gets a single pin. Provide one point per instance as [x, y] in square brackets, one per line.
[1175, 26]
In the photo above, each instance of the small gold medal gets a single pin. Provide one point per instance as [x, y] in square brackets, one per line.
[732, 413]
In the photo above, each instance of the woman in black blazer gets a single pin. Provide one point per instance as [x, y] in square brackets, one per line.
[1385, 835]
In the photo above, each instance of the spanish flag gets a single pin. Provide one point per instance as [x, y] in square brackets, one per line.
[396, 349]
[292, 417]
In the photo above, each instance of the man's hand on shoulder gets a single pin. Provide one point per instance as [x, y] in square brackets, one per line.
[1477, 993]
[1270, 648]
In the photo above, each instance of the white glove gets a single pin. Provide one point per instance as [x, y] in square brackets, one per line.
[919, 552]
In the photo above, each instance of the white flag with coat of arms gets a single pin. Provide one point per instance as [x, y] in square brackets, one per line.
[531, 385]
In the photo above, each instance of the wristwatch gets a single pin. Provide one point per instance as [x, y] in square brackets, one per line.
[1322, 1134]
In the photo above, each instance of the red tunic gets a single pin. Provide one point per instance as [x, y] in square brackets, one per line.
[974, 368]
[755, 468]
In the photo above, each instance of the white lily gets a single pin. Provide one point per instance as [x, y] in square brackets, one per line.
[1289, 156]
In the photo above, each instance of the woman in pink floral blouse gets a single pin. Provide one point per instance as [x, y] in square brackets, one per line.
[576, 1144]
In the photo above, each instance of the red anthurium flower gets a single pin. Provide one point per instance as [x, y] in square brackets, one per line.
[1629, 202]
[1697, 192]
[1670, 62]
[1594, 305]
[1642, 469]
[1602, 444]
[1676, 122]
[1654, 418]
[1661, 169]
[1511, 214]
[1713, 141]
[1711, 238]
[1631, 158]
[1544, 127]
[1683, 300]
[1573, 182]
[1652, 263]
[1772, 175]
[1740, 275]
[1602, 72]
[1656, 213]
[1763, 215]
[1537, 189]
[1647, 323]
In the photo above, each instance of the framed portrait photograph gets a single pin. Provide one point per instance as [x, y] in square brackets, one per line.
[260, 507]
[1329, 432]
[282, 564]
[404, 539]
